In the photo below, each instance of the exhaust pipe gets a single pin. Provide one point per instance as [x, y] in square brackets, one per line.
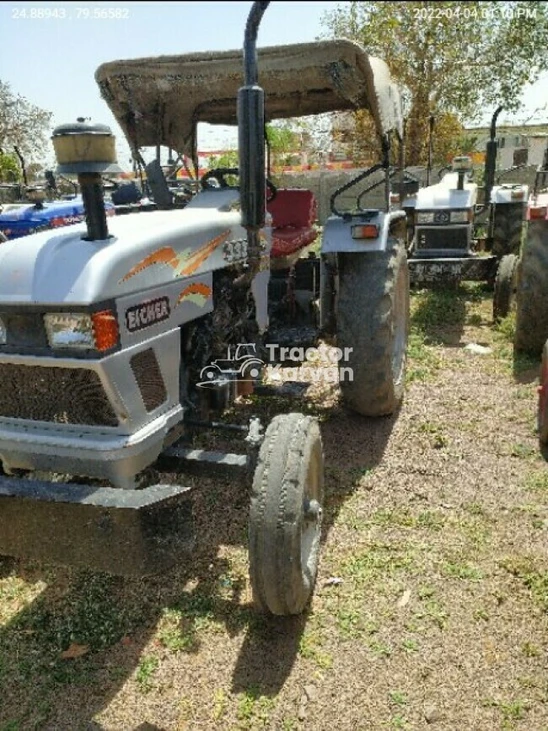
[431, 122]
[491, 158]
[251, 142]
[88, 151]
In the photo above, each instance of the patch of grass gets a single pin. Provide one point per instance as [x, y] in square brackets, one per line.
[515, 362]
[424, 360]
[474, 509]
[481, 614]
[477, 531]
[145, 672]
[458, 570]
[254, 708]
[400, 722]
[514, 711]
[523, 451]
[403, 518]
[535, 579]
[397, 697]
[378, 561]
[172, 633]
[537, 482]
[430, 609]
[381, 649]
[351, 622]
[89, 614]
[410, 645]
[530, 650]
[311, 648]
[220, 705]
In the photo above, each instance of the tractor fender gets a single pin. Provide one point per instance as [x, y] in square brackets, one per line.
[338, 231]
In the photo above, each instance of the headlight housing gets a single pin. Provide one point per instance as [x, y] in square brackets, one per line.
[69, 330]
[425, 217]
[3, 332]
[98, 331]
[460, 217]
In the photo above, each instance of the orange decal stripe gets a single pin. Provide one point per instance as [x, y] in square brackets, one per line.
[166, 255]
[200, 255]
[198, 288]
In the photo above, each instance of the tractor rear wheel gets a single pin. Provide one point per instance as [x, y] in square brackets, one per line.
[286, 514]
[505, 287]
[508, 228]
[373, 328]
[532, 291]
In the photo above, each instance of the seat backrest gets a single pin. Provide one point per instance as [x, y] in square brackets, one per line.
[293, 207]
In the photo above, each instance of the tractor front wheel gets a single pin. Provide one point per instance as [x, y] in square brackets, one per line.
[505, 287]
[286, 514]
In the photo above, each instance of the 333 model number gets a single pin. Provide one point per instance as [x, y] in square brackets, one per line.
[234, 251]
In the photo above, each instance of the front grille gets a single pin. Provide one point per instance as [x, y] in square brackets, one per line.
[149, 379]
[442, 238]
[59, 395]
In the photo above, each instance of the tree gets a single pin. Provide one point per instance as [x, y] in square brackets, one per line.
[10, 171]
[22, 124]
[452, 58]
[284, 139]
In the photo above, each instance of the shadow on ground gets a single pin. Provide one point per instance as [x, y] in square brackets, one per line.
[113, 619]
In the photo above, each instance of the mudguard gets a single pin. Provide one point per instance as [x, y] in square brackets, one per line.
[337, 235]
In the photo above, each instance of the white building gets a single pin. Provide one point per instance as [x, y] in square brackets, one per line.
[521, 149]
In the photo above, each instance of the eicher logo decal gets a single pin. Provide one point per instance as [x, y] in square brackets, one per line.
[147, 313]
[183, 264]
[197, 292]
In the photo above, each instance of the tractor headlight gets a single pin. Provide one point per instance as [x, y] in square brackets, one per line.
[459, 217]
[69, 330]
[425, 217]
[3, 332]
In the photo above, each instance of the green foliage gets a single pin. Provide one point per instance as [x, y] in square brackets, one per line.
[10, 170]
[228, 159]
[451, 57]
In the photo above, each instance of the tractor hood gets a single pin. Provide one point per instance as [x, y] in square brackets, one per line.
[144, 251]
[446, 195]
[160, 100]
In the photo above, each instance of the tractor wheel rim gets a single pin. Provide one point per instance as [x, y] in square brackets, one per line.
[311, 522]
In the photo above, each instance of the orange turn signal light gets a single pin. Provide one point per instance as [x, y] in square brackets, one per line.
[366, 231]
[105, 330]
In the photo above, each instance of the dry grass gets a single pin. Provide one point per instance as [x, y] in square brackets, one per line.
[436, 523]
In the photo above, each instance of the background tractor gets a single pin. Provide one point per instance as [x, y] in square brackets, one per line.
[446, 216]
[105, 327]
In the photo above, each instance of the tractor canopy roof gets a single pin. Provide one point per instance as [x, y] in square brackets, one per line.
[160, 100]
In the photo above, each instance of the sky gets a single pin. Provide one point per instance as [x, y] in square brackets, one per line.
[52, 60]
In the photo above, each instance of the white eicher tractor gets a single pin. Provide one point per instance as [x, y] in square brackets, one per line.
[106, 329]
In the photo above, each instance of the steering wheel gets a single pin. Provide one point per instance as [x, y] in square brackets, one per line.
[219, 174]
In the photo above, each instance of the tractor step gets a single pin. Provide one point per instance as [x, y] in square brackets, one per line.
[125, 532]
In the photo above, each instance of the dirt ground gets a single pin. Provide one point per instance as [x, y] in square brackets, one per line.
[431, 606]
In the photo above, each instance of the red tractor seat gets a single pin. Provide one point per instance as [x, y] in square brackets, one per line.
[294, 212]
